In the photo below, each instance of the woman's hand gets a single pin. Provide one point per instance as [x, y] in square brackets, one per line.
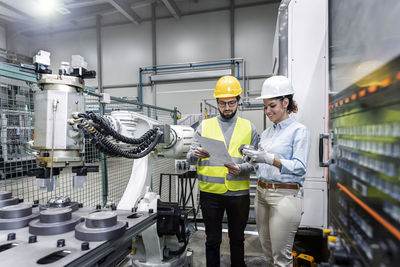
[254, 156]
[233, 169]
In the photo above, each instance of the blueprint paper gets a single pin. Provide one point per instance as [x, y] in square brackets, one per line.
[217, 150]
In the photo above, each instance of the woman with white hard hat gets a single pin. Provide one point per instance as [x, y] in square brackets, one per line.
[281, 162]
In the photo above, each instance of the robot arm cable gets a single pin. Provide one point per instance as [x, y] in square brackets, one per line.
[102, 126]
[107, 147]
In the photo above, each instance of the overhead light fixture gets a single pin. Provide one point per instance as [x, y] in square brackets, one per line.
[47, 7]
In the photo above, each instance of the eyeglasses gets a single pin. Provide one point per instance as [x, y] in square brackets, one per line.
[223, 104]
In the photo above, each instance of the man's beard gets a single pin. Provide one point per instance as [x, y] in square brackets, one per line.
[227, 117]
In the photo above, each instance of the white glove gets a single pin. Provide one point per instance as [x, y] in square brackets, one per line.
[254, 156]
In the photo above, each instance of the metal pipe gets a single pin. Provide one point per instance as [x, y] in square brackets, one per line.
[189, 66]
[232, 25]
[153, 33]
[154, 53]
[229, 60]
[103, 163]
[115, 86]
[99, 57]
[140, 87]
[175, 116]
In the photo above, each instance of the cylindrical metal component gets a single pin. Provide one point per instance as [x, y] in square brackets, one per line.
[15, 211]
[5, 195]
[99, 234]
[100, 226]
[16, 216]
[55, 215]
[59, 202]
[53, 222]
[101, 219]
[85, 246]
[9, 201]
[66, 90]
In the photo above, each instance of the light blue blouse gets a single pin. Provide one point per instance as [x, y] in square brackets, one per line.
[290, 142]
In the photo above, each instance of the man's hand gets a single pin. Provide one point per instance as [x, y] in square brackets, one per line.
[201, 153]
[254, 156]
[233, 169]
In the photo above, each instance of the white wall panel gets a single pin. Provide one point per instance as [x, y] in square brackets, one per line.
[125, 49]
[254, 34]
[185, 96]
[193, 38]
[61, 47]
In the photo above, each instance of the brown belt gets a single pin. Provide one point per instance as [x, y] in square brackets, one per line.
[275, 185]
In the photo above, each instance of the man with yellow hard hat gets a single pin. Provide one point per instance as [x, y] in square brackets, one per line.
[224, 188]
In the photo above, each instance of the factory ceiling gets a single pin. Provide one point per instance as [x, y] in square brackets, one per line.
[37, 17]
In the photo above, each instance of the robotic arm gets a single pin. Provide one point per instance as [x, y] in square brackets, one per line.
[61, 124]
[61, 128]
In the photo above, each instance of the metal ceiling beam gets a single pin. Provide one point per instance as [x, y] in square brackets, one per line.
[82, 12]
[172, 8]
[13, 9]
[31, 32]
[79, 4]
[124, 8]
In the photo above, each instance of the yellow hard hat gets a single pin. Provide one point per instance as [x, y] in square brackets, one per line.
[227, 86]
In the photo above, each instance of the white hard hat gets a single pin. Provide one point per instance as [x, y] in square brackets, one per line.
[276, 86]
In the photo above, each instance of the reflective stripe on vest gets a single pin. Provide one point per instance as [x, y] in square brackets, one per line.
[214, 178]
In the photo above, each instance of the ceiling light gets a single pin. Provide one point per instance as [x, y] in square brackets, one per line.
[47, 7]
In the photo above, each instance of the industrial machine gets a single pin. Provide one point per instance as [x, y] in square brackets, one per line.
[364, 134]
[344, 67]
[60, 131]
[365, 194]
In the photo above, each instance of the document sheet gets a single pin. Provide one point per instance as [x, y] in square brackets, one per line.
[216, 149]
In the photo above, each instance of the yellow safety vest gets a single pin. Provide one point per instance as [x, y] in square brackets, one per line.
[214, 178]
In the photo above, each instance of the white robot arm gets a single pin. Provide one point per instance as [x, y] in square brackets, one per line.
[61, 124]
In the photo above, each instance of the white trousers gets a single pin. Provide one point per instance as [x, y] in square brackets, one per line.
[278, 215]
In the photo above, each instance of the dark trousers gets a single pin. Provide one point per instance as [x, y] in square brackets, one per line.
[237, 210]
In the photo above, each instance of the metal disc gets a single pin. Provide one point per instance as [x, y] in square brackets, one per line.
[9, 201]
[74, 206]
[55, 215]
[15, 223]
[82, 232]
[5, 195]
[38, 228]
[101, 219]
[15, 211]
[59, 202]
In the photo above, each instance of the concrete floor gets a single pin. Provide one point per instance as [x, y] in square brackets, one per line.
[253, 254]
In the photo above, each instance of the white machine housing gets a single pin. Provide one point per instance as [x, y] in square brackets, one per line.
[60, 97]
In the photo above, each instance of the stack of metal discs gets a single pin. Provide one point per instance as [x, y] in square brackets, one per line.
[54, 221]
[100, 226]
[16, 216]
